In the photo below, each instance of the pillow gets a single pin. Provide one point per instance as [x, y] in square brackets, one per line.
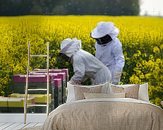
[106, 88]
[143, 92]
[130, 90]
[162, 103]
[70, 93]
[104, 95]
[79, 91]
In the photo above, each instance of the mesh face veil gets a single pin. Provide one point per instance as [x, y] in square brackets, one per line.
[103, 40]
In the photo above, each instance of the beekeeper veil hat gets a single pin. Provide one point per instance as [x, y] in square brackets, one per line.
[104, 28]
[70, 46]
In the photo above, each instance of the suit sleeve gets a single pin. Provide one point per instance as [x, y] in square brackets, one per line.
[119, 58]
[79, 71]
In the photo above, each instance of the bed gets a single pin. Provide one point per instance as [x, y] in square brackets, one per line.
[106, 113]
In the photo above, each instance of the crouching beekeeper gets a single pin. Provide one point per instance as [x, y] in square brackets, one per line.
[85, 65]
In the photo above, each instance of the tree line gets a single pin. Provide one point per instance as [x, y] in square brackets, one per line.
[69, 7]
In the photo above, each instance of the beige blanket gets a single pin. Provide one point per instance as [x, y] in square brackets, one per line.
[105, 114]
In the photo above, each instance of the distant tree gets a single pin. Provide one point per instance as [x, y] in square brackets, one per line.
[5, 7]
[102, 7]
[83, 7]
[36, 7]
[21, 7]
[14, 7]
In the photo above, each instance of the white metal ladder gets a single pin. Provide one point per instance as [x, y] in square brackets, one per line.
[27, 83]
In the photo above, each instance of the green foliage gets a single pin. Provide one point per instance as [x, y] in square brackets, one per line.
[5, 79]
[142, 40]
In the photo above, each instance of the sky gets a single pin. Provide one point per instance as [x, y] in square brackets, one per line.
[151, 7]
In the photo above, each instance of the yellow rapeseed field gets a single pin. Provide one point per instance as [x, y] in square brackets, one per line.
[142, 39]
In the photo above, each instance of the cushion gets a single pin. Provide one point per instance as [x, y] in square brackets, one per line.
[71, 94]
[104, 95]
[79, 91]
[162, 103]
[130, 90]
[143, 92]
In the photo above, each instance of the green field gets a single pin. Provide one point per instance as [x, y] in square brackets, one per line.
[142, 39]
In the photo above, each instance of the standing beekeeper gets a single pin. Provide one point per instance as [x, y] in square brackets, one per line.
[85, 65]
[109, 48]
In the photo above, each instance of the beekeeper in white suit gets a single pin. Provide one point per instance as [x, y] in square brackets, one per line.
[85, 65]
[109, 48]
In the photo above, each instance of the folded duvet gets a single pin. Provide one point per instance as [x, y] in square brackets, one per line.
[105, 114]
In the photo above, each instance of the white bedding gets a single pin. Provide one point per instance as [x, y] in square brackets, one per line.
[106, 114]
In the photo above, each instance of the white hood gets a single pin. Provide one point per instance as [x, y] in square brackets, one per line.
[104, 28]
[70, 46]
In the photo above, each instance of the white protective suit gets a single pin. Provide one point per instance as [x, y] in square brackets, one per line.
[85, 65]
[110, 54]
